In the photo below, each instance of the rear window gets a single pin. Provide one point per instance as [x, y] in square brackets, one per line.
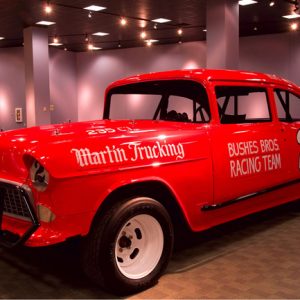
[242, 104]
[168, 100]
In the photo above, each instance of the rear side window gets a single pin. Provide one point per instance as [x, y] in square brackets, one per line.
[288, 105]
[167, 100]
[242, 104]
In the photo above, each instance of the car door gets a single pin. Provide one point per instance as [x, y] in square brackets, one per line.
[249, 150]
[288, 109]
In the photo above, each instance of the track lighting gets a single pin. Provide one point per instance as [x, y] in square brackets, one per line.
[294, 26]
[48, 8]
[143, 35]
[123, 21]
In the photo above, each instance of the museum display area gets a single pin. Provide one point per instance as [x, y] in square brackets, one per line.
[121, 178]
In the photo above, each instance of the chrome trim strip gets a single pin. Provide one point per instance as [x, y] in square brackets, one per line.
[209, 207]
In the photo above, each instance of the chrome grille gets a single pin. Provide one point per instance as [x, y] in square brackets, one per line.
[14, 202]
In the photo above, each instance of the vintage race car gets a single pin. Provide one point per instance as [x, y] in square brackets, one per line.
[191, 148]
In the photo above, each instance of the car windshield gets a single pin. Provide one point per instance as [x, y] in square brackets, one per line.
[169, 100]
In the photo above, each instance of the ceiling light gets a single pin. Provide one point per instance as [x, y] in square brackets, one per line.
[45, 23]
[119, 45]
[179, 31]
[246, 2]
[92, 47]
[90, 14]
[123, 21]
[155, 26]
[94, 8]
[143, 23]
[180, 42]
[2, 38]
[204, 30]
[66, 49]
[255, 28]
[271, 3]
[143, 35]
[101, 33]
[149, 43]
[161, 20]
[55, 44]
[294, 26]
[55, 40]
[292, 16]
[152, 41]
[48, 8]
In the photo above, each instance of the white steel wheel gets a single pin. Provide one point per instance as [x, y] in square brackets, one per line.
[139, 246]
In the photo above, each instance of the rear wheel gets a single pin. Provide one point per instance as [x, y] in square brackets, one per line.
[129, 246]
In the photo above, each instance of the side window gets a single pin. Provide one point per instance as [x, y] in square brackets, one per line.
[288, 105]
[242, 104]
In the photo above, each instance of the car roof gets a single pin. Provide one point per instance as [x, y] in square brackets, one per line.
[208, 75]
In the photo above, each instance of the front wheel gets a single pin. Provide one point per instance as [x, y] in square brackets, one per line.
[129, 247]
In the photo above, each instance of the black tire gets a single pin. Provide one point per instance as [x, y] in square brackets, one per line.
[103, 249]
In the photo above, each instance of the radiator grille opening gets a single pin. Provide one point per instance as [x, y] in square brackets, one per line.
[13, 202]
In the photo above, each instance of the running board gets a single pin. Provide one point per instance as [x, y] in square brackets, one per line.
[249, 196]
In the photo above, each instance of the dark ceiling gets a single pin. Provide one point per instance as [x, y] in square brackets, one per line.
[73, 23]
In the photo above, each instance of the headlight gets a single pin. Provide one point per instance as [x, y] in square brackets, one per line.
[39, 176]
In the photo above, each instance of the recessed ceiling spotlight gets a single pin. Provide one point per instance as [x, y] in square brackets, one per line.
[123, 21]
[143, 35]
[2, 38]
[48, 8]
[255, 28]
[55, 40]
[272, 3]
[149, 43]
[179, 31]
[294, 26]
[155, 26]
[94, 8]
[90, 14]
[246, 2]
[292, 16]
[204, 30]
[161, 20]
[101, 33]
[180, 42]
[45, 23]
[66, 49]
[55, 44]
[119, 45]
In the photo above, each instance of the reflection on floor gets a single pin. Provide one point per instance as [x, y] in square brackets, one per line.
[255, 257]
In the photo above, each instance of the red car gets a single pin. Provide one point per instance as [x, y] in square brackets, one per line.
[191, 148]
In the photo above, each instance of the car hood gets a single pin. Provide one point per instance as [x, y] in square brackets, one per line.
[74, 149]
